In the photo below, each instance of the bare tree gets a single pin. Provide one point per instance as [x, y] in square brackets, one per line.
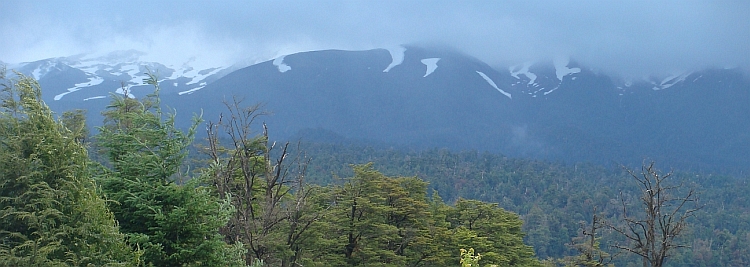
[268, 191]
[652, 234]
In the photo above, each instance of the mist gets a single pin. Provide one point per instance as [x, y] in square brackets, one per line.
[629, 38]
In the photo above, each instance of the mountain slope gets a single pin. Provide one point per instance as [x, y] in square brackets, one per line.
[440, 98]
[415, 97]
[86, 81]
[357, 95]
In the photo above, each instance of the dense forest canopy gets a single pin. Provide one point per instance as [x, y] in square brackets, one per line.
[141, 193]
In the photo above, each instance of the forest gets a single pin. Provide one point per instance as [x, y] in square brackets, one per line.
[142, 192]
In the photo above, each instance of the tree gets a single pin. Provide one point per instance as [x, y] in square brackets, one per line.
[75, 121]
[588, 246]
[492, 231]
[268, 191]
[50, 211]
[363, 223]
[376, 220]
[652, 233]
[175, 225]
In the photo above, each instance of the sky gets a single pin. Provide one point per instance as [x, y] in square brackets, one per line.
[629, 38]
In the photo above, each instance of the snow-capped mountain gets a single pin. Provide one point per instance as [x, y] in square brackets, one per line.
[559, 110]
[422, 97]
[88, 78]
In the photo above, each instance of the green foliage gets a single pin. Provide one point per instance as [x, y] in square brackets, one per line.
[468, 259]
[50, 212]
[75, 121]
[175, 225]
[489, 228]
[588, 245]
[552, 199]
[274, 207]
[377, 220]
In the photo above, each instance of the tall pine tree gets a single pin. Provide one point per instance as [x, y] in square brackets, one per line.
[175, 225]
[50, 212]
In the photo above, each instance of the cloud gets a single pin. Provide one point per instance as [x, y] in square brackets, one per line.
[625, 37]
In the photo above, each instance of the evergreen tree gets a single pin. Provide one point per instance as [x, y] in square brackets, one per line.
[492, 231]
[175, 225]
[50, 212]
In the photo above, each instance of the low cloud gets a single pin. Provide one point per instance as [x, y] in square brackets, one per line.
[632, 38]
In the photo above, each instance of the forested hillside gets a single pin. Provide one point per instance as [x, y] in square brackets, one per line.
[139, 203]
[141, 193]
[556, 200]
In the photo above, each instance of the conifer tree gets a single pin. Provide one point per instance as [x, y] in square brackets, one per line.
[175, 225]
[50, 212]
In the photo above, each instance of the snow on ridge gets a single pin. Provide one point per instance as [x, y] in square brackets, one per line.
[672, 80]
[279, 63]
[523, 70]
[133, 70]
[397, 56]
[486, 78]
[201, 85]
[561, 68]
[550, 91]
[94, 97]
[42, 70]
[199, 77]
[181, 72]
[431, 64]
[96, 80]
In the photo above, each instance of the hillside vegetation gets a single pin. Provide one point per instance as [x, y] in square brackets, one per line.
[133, 195]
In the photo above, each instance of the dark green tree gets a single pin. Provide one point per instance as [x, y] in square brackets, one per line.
[175, 225]
[491, 231]
[376, 220]
[75, 121]
[50, 211]
[359, 222]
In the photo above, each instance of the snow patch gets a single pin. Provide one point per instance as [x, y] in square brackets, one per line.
[42, 70]
[120, 91]
[493, 84]
[192, 90]
[92, 81]
[397, 57]
[200, 86]
[561, 68]
[550, 91]
[523, 69]
[431, 64]
[672, 80]
[94, 97]
[279, 63]
[197, 77]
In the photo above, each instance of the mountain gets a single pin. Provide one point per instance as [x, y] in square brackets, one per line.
[86, 81]
[417, 97]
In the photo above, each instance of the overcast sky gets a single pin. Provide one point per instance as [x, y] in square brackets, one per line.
[629, 37]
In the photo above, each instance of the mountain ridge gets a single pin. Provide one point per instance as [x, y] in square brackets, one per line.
[423, 98]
